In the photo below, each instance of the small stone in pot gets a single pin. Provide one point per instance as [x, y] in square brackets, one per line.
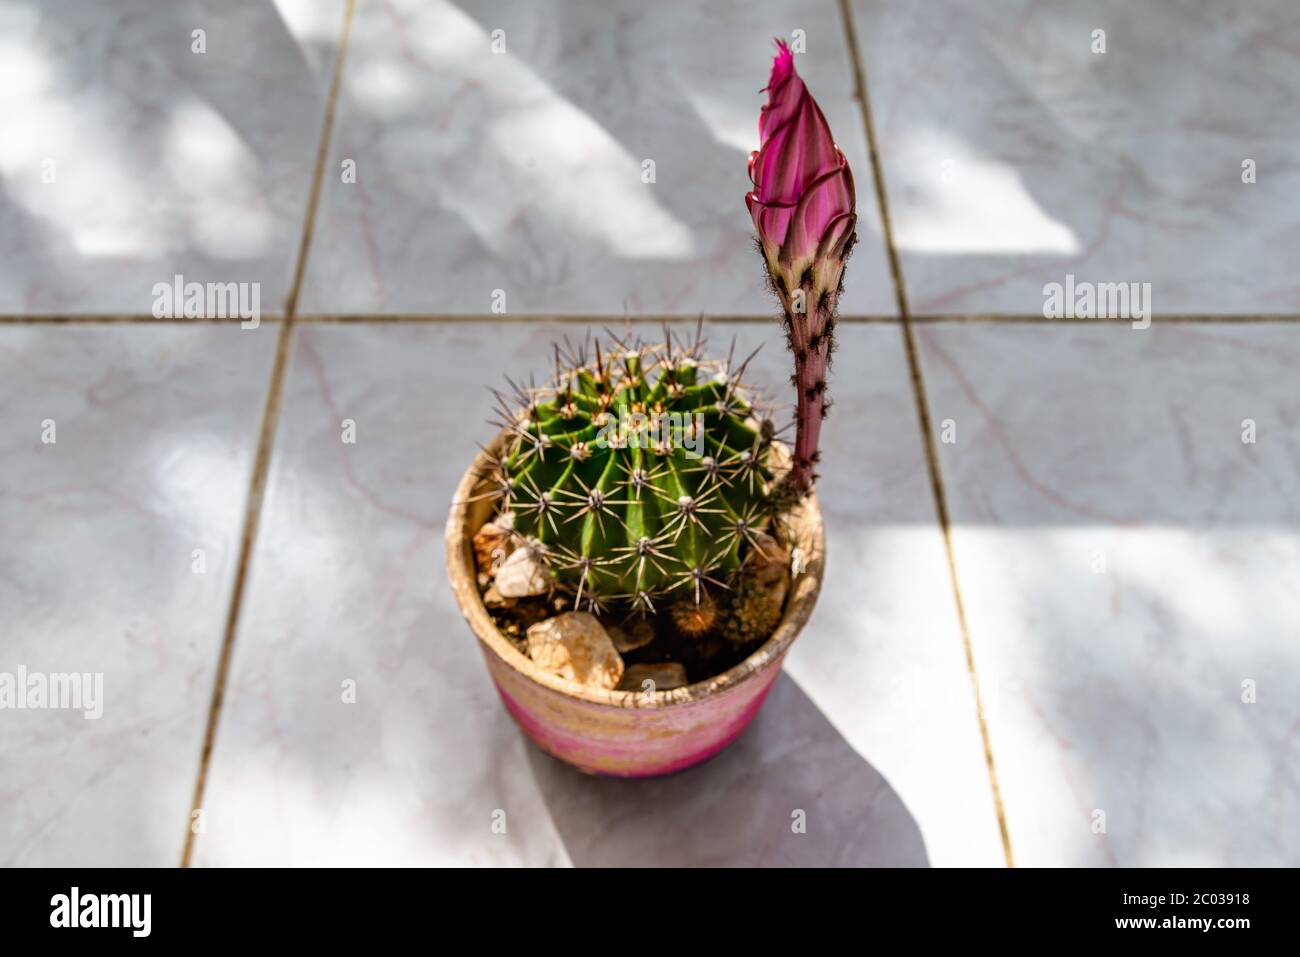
[575, 646]
[662, 677]
[633, 634]
[523, 575]
[493, 544]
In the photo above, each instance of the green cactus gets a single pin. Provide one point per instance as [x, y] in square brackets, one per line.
[637, 475]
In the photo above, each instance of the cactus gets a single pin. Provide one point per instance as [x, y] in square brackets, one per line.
[639, 475]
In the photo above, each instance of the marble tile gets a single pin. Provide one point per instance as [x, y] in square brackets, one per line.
[153, 434]
[127, 158]
[872, 731]
[522, 170]
[1129, 567]
[1014, 155]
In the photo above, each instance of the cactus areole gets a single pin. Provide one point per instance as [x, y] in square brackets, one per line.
[802, 205]
[638, 473]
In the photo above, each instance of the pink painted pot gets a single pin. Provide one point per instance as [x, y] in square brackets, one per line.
[625, 733]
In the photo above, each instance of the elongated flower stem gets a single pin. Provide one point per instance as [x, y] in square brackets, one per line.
[811, 340]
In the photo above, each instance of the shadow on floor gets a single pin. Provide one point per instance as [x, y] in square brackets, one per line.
[739, 808]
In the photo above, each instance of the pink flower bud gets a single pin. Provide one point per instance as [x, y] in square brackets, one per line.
[803, 197]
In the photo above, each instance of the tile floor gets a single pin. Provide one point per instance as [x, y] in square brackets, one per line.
[1014, 154]
[1122, 518]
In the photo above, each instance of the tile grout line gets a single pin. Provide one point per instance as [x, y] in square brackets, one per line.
[923, 418]
[322, 156]
[1004, 318]
[939, 318]
[266, 441]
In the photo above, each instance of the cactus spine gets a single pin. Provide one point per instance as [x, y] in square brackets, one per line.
[638, 474]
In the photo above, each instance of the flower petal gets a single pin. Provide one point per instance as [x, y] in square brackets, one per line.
[826, 199]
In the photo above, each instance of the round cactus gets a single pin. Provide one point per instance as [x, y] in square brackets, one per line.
[638, 473]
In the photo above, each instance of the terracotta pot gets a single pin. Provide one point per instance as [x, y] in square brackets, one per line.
[625, 733]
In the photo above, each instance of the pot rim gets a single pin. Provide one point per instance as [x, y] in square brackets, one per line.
[805, 518]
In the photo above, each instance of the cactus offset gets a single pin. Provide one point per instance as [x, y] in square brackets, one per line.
[638, 475]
